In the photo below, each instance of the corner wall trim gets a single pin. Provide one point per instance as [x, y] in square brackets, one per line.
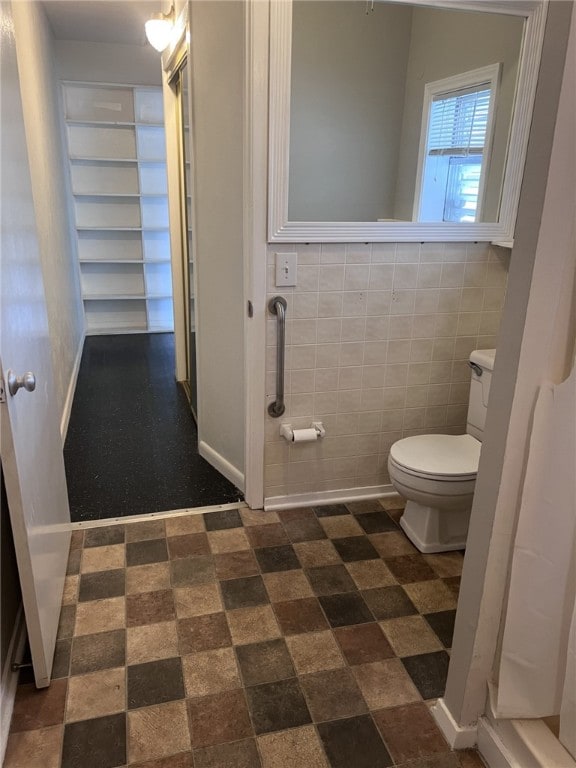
[457, 736]
[223, 466]
[9, 680]
[71, 389]
[319, 498]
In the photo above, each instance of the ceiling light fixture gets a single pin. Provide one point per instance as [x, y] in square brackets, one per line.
[159, 29]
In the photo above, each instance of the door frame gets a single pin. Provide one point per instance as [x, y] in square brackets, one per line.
[171, 62]
[255, 201]
[254, 248]
[184, 190]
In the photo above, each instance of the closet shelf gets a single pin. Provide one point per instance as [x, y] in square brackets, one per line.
[113, 297]
[120, 194]
[85, 158]
[120, 234]
[122, 229]
[112, 124]
[140, 262]
[127, 160]
[103, 330]
[124, 296]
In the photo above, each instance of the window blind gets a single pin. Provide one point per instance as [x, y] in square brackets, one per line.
[459, 122]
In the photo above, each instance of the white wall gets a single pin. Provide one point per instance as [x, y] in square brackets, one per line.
[108, 63]
[217, 61]
[446, 43]
[50, 182]
[348, 76]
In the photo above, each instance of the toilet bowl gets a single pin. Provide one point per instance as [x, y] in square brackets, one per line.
[437, 473]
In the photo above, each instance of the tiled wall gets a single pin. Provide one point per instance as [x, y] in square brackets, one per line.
[378, 338]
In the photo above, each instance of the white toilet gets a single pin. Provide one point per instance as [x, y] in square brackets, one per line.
[437, 473]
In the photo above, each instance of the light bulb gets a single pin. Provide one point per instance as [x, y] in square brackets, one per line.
[159, 30]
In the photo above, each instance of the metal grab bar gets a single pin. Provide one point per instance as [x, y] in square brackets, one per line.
[277, 306]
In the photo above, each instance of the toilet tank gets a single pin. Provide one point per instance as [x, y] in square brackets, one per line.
[482, 365]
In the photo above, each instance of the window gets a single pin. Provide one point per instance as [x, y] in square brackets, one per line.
[457, 123]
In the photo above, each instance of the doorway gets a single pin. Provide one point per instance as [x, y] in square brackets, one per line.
[131, 446]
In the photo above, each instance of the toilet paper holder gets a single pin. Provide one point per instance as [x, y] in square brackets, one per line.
[315, 432]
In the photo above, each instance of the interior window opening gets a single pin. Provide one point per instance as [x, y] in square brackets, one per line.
[458, 115]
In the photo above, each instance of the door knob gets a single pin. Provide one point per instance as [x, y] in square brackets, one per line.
[28, 382]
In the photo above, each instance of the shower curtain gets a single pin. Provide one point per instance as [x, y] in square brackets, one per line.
[538, 662]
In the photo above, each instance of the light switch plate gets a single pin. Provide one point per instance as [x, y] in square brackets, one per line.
[286, 264]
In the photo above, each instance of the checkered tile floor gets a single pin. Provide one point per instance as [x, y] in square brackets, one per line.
[310, 638]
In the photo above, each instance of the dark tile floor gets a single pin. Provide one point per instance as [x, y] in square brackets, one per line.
[132, 442]
[311, 638]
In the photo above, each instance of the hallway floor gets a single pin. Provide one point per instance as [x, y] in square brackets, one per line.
[310, 638]
[132, 442]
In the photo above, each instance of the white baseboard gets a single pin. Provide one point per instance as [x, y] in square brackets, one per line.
[223, 466]
[457, 736]
[319, 498]
[491, 747]
[9, 680]
[518, 743]
[71, 389]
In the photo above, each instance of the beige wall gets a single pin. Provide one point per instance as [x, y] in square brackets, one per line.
[50, 183]
[348, 72]
[108, 63]
[378, 339]
[447, 43]
[217, 129]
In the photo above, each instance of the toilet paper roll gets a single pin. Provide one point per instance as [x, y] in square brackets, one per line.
[304, 435]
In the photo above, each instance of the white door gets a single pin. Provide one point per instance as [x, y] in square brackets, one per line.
[30, 443]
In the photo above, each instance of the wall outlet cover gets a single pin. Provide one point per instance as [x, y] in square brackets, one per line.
[286, 264]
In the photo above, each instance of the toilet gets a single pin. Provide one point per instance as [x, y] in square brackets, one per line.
[437, 473]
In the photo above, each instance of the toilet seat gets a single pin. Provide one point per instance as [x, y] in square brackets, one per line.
[445, 458]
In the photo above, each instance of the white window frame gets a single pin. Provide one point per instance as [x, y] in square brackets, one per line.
[490, 76]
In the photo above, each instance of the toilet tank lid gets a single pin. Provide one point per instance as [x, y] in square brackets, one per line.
[484, 358]
[440, 455]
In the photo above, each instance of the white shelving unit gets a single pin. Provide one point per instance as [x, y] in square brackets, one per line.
[117, 154]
